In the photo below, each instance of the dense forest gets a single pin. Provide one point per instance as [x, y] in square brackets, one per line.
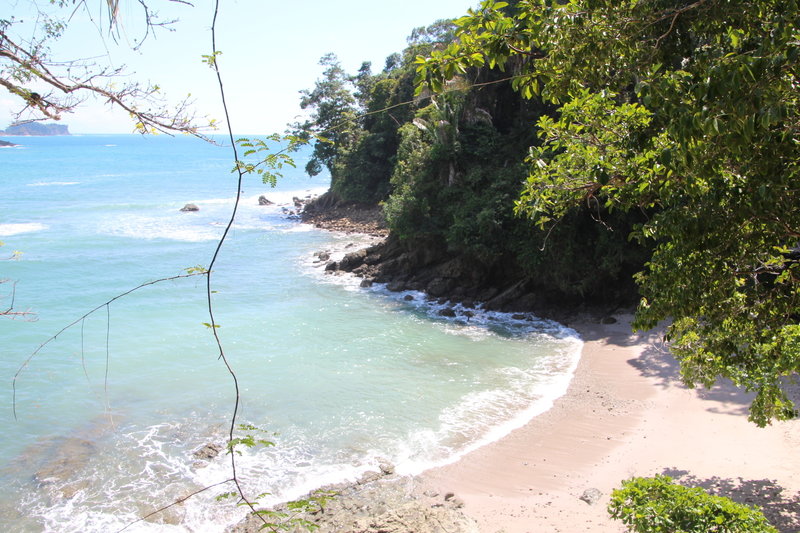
[447, 170]
[538, 154]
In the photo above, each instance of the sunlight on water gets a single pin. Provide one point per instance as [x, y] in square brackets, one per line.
[111, 412]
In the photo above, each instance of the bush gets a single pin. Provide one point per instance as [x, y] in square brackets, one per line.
[657, 505]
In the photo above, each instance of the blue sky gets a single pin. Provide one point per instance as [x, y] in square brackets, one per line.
[270, 51]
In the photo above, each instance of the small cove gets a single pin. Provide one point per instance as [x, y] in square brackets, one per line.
[337, 376]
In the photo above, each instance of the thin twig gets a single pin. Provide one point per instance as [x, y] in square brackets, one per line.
[173, 504]
[27, 361]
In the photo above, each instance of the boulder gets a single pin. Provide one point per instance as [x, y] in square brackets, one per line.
[396, 286]
[207, 452]
[190, 207]
[262, 200]
[352, 260]
[439, 287]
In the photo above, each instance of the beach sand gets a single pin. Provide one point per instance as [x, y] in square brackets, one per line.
[625, 414]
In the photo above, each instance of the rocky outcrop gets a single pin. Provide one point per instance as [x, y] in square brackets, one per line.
[36, 128]
[6, 143]
[380, 502]
[190, 208]
[429, 266]
[328, 212]
[263, 200]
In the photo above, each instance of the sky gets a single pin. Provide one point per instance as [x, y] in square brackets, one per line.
[270, 51]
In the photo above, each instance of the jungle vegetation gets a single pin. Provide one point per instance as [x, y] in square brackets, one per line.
[588, 143]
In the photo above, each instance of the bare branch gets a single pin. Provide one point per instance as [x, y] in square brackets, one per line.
[72, 82]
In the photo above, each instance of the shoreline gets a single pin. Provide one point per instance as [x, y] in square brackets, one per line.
[625, 414]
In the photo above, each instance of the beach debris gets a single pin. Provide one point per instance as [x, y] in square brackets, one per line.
[190, 207]
[591, 496]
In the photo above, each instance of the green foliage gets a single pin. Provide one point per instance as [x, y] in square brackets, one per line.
[292, 517]
[688, 113]
[333, 119]
[273, 152]
[657, 505]
[249, 440]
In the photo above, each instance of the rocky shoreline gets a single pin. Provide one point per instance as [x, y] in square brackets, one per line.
[429, 267]
[379, 502]
[382, 501]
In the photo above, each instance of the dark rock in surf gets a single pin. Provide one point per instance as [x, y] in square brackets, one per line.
[189, 208]
[207, 452]
[352, 260]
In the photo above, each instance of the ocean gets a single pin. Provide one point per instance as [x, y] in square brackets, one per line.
[337, 377]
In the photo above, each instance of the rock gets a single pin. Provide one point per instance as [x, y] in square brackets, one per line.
[447, 311]
[190, 207]
[387, 468]
[366, 283]
[71, 455]
[207, 452]
[331, 266]
[388, 504]
[323, 256]
[262, 200]
[369, 477]
[396, 286]
[608, 320]
[518, 316]
[372, 259]
[591, 496]
[352, 260]
[439, 286]
[408, 298]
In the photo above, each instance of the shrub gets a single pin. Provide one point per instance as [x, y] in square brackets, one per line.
[657, 505]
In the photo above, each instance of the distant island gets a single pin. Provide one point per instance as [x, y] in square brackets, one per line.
[36, 128]
[5, 143]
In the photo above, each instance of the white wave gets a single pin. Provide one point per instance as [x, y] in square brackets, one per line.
[23, 227]
[155, 228]
[52, 183]
[426, 449]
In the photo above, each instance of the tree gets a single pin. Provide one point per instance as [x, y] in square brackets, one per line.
[687, 111]
[47, 88]
[332, 121]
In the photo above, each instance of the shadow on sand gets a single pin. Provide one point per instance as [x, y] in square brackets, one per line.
[781, 508]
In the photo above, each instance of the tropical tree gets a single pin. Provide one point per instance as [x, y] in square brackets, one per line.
[332, 121]
[686, 111]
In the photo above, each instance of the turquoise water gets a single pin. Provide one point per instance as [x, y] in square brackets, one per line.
[109, 413]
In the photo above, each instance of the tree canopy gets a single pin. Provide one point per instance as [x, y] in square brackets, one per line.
[686, 111]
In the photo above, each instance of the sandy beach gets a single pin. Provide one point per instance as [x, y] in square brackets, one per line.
[625, 414]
